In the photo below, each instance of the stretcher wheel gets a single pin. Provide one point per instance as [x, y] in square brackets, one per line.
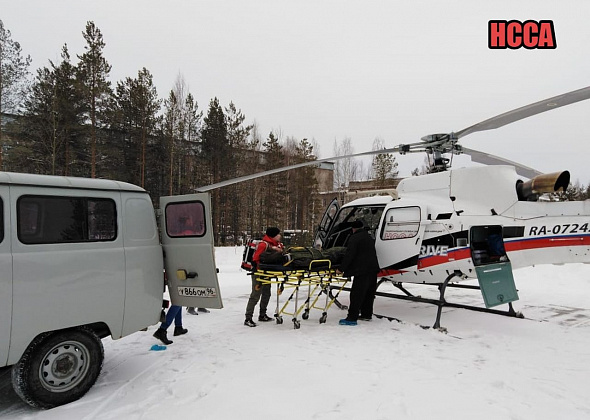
[296, 324]
[279, 319]
[305, 315]
[323, 318]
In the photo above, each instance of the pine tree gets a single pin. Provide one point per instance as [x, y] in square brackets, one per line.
[274, 186]
[214, 151]
[171, 134]
[573, 192]
[70, 104]
[14, 75]
[53, 117]
[42, 123]
[252, 190]
[182, 130]
[192, 121]
[93, 72]
[384, 166]
[306, 189]
[137, 106]
[238, 163]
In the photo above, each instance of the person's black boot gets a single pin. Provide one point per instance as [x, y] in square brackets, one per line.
[249, 323]
[191, 310]
[179, 331]
[161, 335]
[264, 318]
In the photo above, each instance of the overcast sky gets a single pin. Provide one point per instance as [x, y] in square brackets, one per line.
[327, 70]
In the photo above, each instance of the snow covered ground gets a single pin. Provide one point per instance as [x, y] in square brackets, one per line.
[486, 367]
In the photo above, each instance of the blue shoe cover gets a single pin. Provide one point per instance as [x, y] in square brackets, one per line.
[157, 347]
[346, 322]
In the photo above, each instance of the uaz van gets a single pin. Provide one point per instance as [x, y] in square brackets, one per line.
[80, 260]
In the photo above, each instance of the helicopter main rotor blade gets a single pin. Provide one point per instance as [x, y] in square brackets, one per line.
[488, 159]
[527, 111]
[299, 165]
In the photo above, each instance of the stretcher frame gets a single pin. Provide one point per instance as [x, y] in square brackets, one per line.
[318, 279]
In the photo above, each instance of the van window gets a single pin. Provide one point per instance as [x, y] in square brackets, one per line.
[139, 225]
[401, 223]
[185, 219]
[49, 219]
[1, 220]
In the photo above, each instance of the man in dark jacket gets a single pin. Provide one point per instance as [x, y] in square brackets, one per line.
[360, 262]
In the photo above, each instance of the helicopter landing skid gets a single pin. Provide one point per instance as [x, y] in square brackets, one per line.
[441, 301]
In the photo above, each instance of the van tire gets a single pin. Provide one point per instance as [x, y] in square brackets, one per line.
[58, 368]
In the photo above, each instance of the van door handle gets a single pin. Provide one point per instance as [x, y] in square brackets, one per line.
[182, 274]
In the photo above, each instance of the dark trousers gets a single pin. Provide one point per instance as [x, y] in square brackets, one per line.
[362, 296]
[260, 292]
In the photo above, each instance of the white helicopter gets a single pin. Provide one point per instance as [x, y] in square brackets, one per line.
[455, 225]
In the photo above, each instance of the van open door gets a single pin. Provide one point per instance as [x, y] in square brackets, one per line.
[187, 238]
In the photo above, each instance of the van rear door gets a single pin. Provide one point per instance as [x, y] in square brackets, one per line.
[187, 238]
[5, 275]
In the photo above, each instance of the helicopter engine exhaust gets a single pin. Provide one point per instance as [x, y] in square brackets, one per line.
[546, 183]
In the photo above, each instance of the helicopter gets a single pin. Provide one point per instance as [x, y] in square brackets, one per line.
[453, 225]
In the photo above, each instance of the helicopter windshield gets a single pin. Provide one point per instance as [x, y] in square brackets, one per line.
[341, 230]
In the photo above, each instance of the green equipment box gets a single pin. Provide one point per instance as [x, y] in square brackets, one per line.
[496, 283]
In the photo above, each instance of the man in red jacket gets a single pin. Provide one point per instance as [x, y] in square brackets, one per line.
[270, 242]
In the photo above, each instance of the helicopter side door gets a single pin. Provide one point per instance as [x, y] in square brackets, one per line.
[399, 238]
[187, 239]
[326, 223]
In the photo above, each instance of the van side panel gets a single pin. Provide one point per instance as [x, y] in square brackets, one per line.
[5, 275]
[61, 285]
[144, 264]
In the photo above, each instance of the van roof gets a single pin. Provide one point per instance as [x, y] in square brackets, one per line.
[14, 178]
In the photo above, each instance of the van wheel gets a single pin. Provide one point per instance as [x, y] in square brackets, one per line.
[58, 368]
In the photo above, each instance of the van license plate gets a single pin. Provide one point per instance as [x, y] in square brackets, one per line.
[194, 291]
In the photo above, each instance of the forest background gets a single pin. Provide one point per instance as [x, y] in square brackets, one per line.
[69, 119]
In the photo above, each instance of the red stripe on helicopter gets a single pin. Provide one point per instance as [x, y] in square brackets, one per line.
[389, 272]
[459, 254]
[548, 242]
[510, 246]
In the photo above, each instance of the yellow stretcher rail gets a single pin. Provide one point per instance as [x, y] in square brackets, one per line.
[317, 280]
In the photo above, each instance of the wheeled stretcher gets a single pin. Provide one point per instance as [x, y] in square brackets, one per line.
[305, 285]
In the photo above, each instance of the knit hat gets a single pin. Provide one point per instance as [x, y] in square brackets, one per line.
[357, 224]
[271, 232]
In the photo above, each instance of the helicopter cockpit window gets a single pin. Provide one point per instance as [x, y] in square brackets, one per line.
[341, 230]
[401, 223]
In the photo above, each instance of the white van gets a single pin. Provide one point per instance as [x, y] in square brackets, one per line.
[80, 260]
